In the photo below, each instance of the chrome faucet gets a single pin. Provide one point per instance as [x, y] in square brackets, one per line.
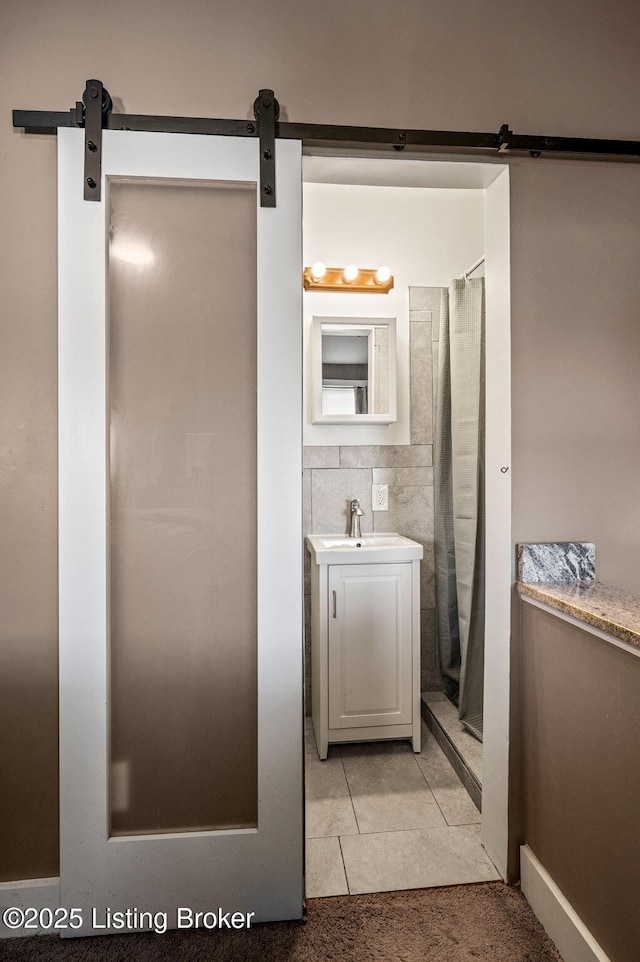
[356, 514]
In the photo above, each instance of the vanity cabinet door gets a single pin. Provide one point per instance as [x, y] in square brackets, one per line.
[370, 645]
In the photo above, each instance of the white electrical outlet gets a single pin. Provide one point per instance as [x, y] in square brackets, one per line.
[379, 497]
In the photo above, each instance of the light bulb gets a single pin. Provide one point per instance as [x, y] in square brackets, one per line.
[350, 272]
[382, 275]
[318, 270]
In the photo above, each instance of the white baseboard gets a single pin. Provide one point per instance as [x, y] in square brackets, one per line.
[36, 893]
[561, 922]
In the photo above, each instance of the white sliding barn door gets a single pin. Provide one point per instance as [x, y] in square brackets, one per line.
[180, 532]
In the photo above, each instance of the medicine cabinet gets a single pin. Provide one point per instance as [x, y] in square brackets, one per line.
[354, 370]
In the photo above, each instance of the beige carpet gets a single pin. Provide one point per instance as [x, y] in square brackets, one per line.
[464, 923]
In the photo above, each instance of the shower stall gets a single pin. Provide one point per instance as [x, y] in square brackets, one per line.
[456, 713]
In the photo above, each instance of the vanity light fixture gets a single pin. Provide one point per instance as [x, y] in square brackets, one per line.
[352, 279]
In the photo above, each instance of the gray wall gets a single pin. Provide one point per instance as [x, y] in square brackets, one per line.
[581, 727]
[335, 474]
[566, 69]
[575, 235]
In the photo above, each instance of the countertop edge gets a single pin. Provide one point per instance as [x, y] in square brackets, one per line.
[551, 595]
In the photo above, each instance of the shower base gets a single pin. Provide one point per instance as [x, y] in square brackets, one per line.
[463, 751]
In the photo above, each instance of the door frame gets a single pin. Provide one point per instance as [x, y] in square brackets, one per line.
[375, 168]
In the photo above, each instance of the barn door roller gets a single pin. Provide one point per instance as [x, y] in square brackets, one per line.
[266, 110]
[90, 113]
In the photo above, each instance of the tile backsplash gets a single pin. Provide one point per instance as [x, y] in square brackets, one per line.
[333, 475]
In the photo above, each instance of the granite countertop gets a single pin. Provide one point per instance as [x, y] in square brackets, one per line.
[612, 610]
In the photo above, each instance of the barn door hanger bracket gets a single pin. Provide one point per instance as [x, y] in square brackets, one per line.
[266, 110]
[505, 139]
[91, 113]
[96, 104]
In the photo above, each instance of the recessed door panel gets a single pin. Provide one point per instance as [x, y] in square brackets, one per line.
[370, 645]
[182, 483]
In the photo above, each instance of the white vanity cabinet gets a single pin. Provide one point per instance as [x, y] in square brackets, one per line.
[365, 639]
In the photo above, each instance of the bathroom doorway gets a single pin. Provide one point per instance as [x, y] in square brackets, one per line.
[369, 802]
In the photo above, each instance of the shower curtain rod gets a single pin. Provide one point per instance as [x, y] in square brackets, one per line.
[474, 267]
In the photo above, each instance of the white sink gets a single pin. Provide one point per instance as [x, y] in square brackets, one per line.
[331, 549]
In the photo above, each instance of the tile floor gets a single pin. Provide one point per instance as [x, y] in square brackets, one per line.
[380, 818]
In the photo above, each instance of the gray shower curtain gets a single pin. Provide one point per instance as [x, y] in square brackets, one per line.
[459, 498]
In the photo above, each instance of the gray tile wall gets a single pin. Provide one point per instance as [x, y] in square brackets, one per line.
[335, 475]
